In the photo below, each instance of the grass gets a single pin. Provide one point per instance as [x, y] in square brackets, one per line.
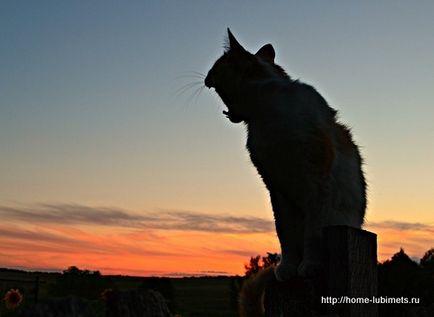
[210, 297]
[192, 297]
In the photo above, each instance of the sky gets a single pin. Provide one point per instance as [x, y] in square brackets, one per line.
[115, 158]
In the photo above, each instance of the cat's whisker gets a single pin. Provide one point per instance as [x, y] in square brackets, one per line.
[187, 87]
[196, 86]
[192, 96]
[197, 93]
[195, 73]
[190, 76]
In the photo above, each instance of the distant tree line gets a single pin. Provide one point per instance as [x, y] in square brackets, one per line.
[82, 283]
[403, 277]
[91, 285]
[258, 263]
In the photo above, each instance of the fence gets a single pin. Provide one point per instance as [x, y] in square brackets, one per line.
[30, 286]
[349, 275]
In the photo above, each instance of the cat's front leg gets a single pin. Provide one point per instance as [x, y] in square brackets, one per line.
[289, 234]
[313, 262]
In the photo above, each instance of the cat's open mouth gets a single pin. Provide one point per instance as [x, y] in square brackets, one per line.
[229, 114]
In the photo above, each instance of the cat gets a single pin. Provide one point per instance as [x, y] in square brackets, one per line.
[307, 160]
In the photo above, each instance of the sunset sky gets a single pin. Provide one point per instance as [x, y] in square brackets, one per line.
[114, 157]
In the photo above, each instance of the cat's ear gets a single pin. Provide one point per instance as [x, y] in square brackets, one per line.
[234, 46]
[267, 53]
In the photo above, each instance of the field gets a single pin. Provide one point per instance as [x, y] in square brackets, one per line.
[204, 297]
[189, 297]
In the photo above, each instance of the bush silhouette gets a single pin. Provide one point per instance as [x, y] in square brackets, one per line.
[427, 261]
[402, 277]
[258, 263]
[82, 283]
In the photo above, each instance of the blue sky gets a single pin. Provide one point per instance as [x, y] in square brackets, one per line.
[92, 109]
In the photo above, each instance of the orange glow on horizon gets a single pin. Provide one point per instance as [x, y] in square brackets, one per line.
[159, 252]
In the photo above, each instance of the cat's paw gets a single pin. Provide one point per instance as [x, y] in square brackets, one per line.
[285, 271]
[310, 268]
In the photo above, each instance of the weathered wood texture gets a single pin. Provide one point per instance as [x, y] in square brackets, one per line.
[351, 260]
[350, 271]
[297, 297]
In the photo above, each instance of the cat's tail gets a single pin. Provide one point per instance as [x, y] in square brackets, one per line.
[251, 301]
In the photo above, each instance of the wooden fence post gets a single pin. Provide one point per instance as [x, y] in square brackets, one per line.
[349, 277]
[351, 256]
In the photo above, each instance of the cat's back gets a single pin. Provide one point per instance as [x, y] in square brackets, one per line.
[294, 113]
[300, 136]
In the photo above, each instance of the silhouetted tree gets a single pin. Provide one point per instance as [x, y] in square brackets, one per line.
[72, 270]
[258, 263]
[402, 277]
[396, 276]
[82, 283]
[254, 266]
[270, 260]
[402, 260]
[428, 259]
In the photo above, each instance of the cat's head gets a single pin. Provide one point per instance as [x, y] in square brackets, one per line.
[236, 68]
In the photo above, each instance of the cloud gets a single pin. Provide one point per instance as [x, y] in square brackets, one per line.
[195, 274]
[161, 241]
[39, 240]
[119, 241]
[416, 238]
[24, 234]
[71, 214]
[190, 221]
[43, 240]
[405, 226]
[75, 214]
[243, 253]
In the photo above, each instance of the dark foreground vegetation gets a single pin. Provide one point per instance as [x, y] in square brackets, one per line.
[189, 297]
